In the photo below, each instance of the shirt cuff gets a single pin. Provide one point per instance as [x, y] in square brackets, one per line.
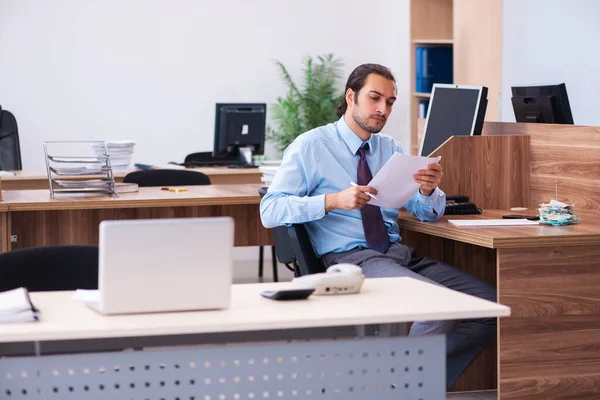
[316, 207]
[436, 200]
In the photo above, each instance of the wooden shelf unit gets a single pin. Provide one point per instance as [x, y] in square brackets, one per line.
[473, 28]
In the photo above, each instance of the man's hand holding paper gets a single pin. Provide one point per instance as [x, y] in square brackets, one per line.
[402, 176]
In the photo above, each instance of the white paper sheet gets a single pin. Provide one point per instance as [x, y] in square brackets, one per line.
[395, 183]
[15, 306]
[492, 222]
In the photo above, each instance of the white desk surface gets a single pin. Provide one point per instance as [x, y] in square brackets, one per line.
[383, 300]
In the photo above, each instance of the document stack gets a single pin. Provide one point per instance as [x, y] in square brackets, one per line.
[557, 213]
[120, 152]
[15, 306]
[268, 173]
[74, 169]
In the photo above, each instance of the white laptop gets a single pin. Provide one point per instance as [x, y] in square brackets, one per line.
[165, 265]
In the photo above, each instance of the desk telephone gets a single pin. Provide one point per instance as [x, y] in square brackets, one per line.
[339, 279]
[460, 205]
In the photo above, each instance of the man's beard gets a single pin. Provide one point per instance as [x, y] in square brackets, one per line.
[364, 124]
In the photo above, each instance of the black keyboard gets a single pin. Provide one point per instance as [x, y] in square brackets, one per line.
[461, 209]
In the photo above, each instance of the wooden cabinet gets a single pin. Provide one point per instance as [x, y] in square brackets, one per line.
[474, 30]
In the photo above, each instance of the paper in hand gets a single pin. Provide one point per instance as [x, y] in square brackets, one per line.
[394, 183]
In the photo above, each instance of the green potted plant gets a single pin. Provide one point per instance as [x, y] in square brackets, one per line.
[307, 107]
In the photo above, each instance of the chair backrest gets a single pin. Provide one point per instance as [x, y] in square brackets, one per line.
[50, 268]
[308, 262]
[283, 244]
[167, 177]
[200, 156]
[293, 246]
[10, 148]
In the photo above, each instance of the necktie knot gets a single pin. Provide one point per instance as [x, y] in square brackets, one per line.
[363, 150]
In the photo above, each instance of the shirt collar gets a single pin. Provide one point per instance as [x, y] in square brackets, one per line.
[351, 139]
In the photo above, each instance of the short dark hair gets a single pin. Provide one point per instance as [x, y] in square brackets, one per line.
[357, 79]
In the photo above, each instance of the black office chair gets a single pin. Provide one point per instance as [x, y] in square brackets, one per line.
[306, 260]
[294, 249]
[10, 149]
[262, 191]
[50, 268]
[167, 177]
[206, 158]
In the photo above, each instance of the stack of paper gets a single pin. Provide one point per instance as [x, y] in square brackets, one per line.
[120, 152]
[268, 172]
[15, 306]
[492, 222]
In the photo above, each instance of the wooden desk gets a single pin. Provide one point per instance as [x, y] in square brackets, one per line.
[234, 361]
[38, 220]
[550, 277]
[31, 180]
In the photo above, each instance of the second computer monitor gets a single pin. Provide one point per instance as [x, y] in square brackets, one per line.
[542, 104]
[239, 125]
[454, 110]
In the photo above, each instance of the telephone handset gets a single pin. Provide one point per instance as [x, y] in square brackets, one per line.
[338, 279]
[349, 269]
[460, 205]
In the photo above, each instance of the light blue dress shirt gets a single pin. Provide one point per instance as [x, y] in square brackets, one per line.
[325, 160]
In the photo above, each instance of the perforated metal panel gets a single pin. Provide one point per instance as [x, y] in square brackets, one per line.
[398, 368]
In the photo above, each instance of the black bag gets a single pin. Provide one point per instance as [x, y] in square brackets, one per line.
[10, 150]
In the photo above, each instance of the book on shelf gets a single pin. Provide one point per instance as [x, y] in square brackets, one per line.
[434, 64]
[423, 107]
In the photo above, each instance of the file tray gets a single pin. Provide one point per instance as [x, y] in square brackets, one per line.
[74, 168]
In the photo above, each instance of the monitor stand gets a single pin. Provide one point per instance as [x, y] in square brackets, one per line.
[244, 158]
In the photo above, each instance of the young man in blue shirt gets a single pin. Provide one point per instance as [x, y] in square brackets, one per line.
[312, 187]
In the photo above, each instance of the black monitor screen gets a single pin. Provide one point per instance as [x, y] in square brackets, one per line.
[453, 111]
[547, 104]
[239, 125]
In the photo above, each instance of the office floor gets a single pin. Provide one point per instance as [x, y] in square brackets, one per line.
[247, 272]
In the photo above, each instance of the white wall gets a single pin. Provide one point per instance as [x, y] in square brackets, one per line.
[553, 41]
[152, 70]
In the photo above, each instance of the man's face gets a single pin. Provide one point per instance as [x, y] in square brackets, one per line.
[372, 105]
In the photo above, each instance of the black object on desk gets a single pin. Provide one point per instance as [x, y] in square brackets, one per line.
[515, 216]
[460, 205]
[288, 294]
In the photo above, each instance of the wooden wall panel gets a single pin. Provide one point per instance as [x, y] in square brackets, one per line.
[491, 170]
[45, 228]
[565, 154]
[550, 346]
[550, 281]
[550, 357]
[3, 231]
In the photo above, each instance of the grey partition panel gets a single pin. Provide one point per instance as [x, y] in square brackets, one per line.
[399, 368]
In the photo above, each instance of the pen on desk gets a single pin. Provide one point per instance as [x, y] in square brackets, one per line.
[367, 193]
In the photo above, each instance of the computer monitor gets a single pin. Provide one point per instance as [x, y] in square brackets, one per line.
[454, 110]
[542, 104]
[239, 130]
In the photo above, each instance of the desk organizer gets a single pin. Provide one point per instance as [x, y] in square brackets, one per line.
[77, 170]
